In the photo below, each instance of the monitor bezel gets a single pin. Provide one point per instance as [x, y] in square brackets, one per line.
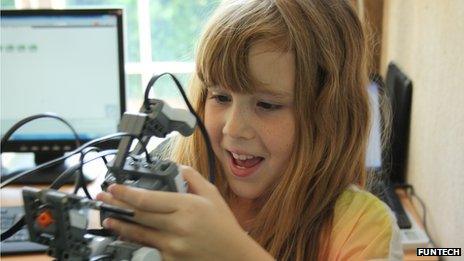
[399, 88]
[44, 146]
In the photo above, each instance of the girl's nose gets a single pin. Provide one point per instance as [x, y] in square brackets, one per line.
[238, 123]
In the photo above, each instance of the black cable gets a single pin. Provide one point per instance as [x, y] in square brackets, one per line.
[80, 182]
[60, 181]
[58, 160]
[14, 228]
[19, 124]
[211, 158]
[412, 193]
[147, 154]
[26, 120]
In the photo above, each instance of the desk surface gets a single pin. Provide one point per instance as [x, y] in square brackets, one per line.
[11, 196]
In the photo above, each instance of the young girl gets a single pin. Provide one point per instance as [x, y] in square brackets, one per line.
[282, 88]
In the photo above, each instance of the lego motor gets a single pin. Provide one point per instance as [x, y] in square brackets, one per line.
[60, 220]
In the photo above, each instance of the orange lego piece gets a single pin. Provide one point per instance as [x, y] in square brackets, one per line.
[45, 219]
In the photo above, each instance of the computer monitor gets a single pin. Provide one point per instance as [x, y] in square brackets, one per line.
[390, 160]
[399, 88]
[70, 62]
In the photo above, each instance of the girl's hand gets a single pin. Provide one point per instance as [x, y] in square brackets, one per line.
[194, 226]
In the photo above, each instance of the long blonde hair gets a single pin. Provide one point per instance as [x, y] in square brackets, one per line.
[331, 111]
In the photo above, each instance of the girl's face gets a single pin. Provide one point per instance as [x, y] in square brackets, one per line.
[253, 134]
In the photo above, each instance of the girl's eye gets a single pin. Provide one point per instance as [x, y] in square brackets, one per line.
[269, 106]
[221, 98]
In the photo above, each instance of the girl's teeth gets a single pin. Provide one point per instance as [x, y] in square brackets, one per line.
[242, 157]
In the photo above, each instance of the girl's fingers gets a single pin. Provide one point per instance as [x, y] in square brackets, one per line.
[137, 233]
[109, 199]
[163, 201]
[147, 200]
[197, 183]
[163, 221]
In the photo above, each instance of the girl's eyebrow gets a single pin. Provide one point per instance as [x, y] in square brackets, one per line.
[275, 94]
[281, 95]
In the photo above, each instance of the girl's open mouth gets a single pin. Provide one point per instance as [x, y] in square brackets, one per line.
[244, 165]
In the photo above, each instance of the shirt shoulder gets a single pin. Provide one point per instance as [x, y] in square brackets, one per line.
[363, 228]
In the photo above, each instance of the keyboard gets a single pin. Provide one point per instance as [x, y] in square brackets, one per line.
[18, 243]
[388, 195]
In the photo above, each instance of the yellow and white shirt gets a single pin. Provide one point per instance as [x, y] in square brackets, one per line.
[364, 228]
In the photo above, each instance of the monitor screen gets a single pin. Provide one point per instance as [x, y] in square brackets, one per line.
[69, 62]
[374, 146]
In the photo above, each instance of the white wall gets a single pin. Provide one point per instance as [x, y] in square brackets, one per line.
[426, 39]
